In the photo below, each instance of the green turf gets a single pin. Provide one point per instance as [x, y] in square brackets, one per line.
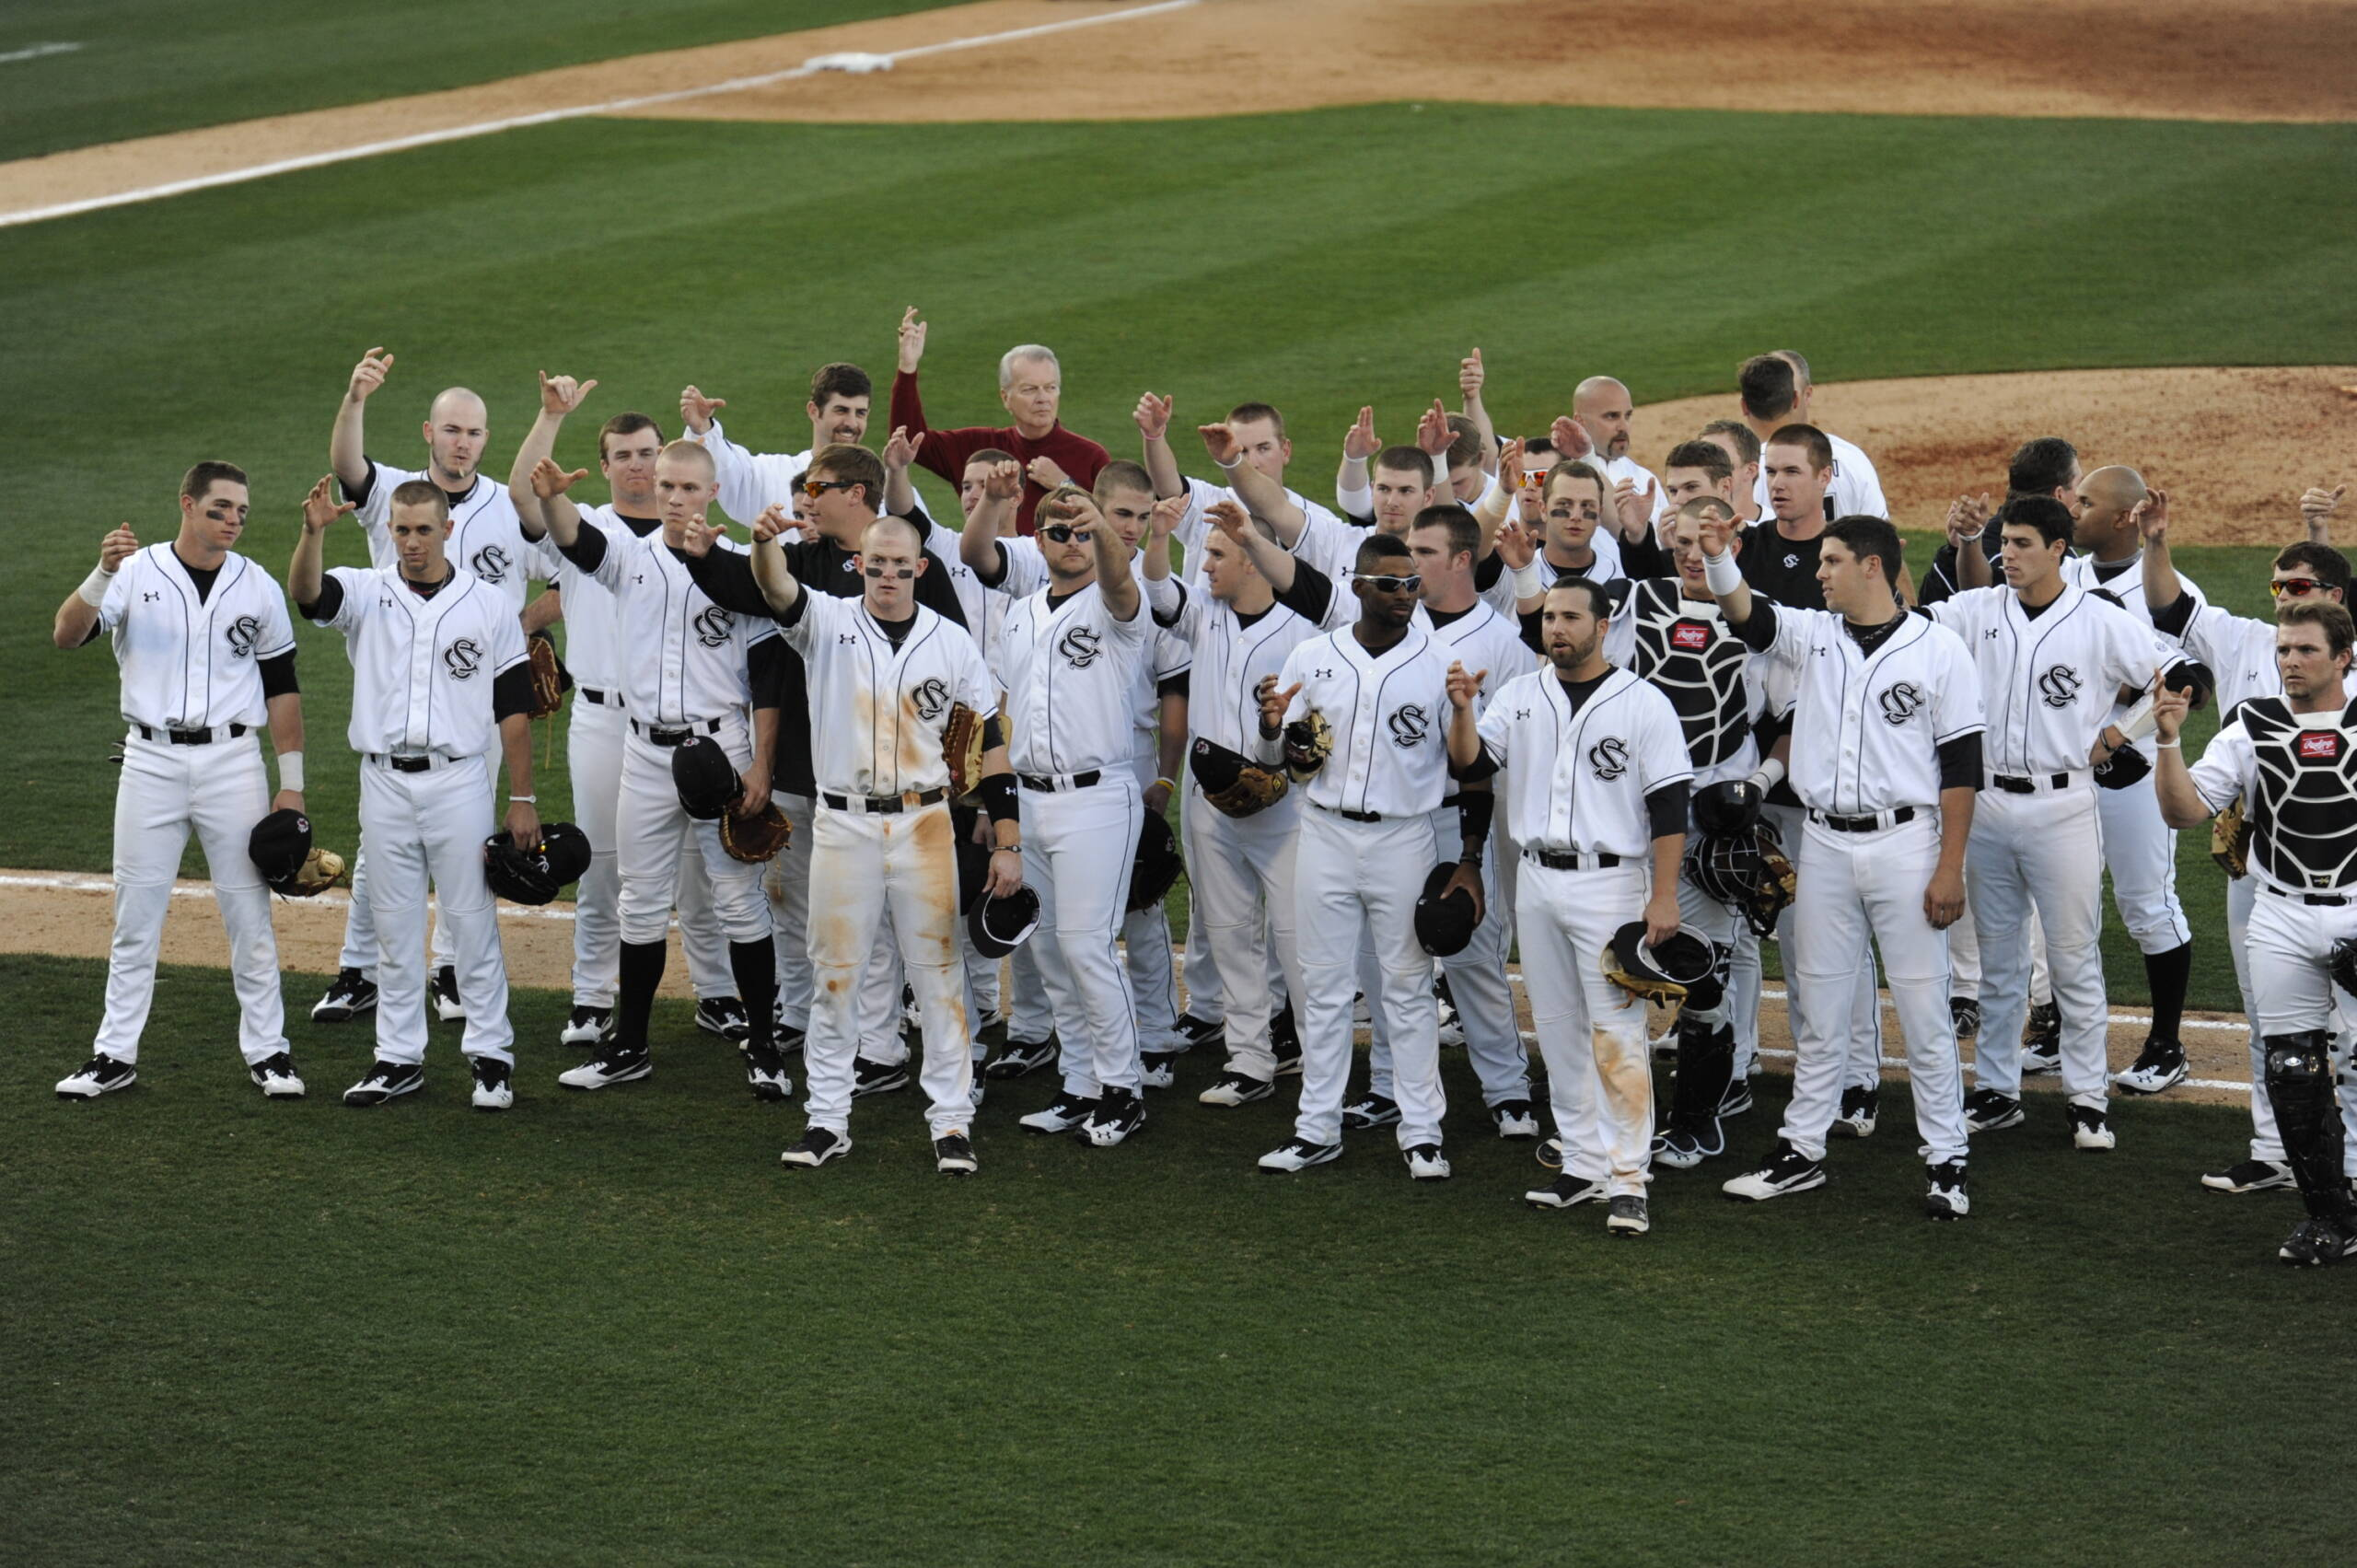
[146, 66]
[611, 1329]
[1357, 267]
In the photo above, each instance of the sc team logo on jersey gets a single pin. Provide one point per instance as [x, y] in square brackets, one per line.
[714, 626]
[1078, 647]
[1901, 701]
[1609, 759]
[1409, 725]
[932, 699]
[2060, 686]
[243, 633]
[463, 658]
[490, 564]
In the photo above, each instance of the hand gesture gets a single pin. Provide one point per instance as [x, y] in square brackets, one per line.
[564, 395]
[696, 409]
[911, 342]
[1043, 472]
[1467, 879]
[1635, 511]
[320, 509]
[1167, 514]
[549, 480]
[776, 518]
[1661, 914]
[1967, 518]
[1510, 474]
[122, 544]
[1220, 442]
[1571, 439]
[1359, 442]
[1230, 519]
[1717, 534]
[753, 795]
[901, 449]
[1469, 378]
[699, 537]
[369, 373]
[1154, 417]
[2317, 504]
[1274, 702]
[1004, 481]
[1463, 687]
[2169, 708]
[2152, 517]
[1516, 546]
[1433, 433]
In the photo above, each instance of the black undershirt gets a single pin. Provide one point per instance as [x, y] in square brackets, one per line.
[1449, 617]
[897, 631]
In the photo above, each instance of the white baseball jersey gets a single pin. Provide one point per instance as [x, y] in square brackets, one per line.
[2125, 582]
[2240, 652]
[876, 712]
[2049, 682]
[683, 658]
[1866, 730]
[187, 664]
[973, 598]
[1071, 673]
[486, 539]
[1856, 490]
[1230, 660]
[1604, 569]
[750, 482]
[1578, 780]
[1168, 656]
[422, 667]
[1326, 541]
[1482, 639]
[1388, 713]
[592, 633]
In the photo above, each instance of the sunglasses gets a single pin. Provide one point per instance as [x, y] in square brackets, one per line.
[1064, 533]
[900, 571]
[2296, 586]
[1395, 584]
[814, 488]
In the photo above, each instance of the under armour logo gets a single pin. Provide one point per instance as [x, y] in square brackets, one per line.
[243, 633]
[463, 658]
[1323, 674]
[1522, 713]
[1078, 647]
[932, 700]
[714, 626]
[638, 577]
[2060, 686]
[846, 639]
[490, 564]
[150, 599]
[1900, 702]
[1608, 758]
[1410, 725]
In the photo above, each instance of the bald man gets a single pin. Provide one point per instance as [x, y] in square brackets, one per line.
[491, 541]
[1602, 407]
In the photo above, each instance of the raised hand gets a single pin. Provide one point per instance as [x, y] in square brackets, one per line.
[911, 342]
[1967, 518]
[1167, 514]
[1154, 417]
[699, 537]
[1510, 472]
[1274, 702]
[1043, 472]
[1463, 687]
[549, 480]
[1004, 481]
[1433, 433]
[320, 509]
[563, 395]
[901, 449]
[1635, 511]
[2169, 707]
[369, 373]
[1220, 442]
[1516, 546]
[696, 409]
[122, 544]
[2318, 505]
[2152, 516]
[775, 519]
[1470, 377]
[1571, 439]
[1230, 519]
[1716, 532]
[1359, 442]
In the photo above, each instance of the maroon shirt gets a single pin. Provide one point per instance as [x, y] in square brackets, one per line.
[945, 452]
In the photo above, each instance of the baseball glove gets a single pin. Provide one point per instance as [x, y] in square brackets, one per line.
[2126, 769]
[535, 877]
[1234, 785]
[550, 680]
[755, 838]
[280, 847]
[1307, 742]
[1672, 973]
[321, 870]
[2230, 839]
[961, 750]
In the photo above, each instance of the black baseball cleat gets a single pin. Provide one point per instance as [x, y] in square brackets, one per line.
[1986, 1111]
[384, 1080]
[102, 1074]
[1683, 1146]
[2091, 1129]
[765, 1073]
[1566, 1191]
[816, 1147]
[444, 993]
[1944, 1198]
[2160, 1065]
[2315, 1242]
[1787, 1170]
[1861, 1103]
[1738, 1098]
[725, 1016]
[1295, 1154]
[1284, 1041]
[1160, 1067]
[953, 1155]
[1964, 1012]
[1232, 1089]
[2042, 1041]
[274, 1076]
[1625, 1215]
[1202, 1031]
[787, 1039]
[2249, 1176]
[1018, 1057]
[588, 1026]
[1065, 1113]
[495, 1083]
[614, 1065]
[1117, 1114]
[869, 1076]
[349, 995]
[1515, 1119]
[1370, 1110]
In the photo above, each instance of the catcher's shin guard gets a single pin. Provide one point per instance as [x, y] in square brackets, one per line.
[1706, 1070]
[2300, 1086]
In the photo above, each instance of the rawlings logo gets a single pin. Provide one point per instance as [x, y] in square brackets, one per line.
[1691, 636]
[932, 700]
[490, 564]
[1608, 758]
[2060, 686]
[1899, 703]
[1409, 725]
[243, 633]
[463, 658]
[2320, 746]
[1078, 646]
[714, 626]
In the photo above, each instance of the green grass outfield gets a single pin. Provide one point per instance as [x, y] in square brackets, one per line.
[145, 68]
[610, 1328]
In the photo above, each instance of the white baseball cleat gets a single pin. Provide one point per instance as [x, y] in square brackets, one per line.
[1426, 1163]
[1293, 1155]
[102, 1074]
[274, 1076]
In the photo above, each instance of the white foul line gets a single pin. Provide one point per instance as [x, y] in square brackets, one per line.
[547, 117]
[38, 51]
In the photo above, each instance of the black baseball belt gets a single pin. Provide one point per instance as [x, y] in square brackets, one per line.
[1052, 784]
[190, 737]
[1873, 823]
[885, 805]
[655, 737]
[1571, 860]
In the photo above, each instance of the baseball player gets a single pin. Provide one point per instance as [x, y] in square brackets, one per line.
[491, 543]
[2294, 758]
[1742, 445]
[1461, 468]
[437, 668]
[2240, 654]
[2050, 658]
[1887, 760]
[627, 446]
[207, 655]
[1775, 391]
[690, 670]
[1253, 434]
[886, 677]
[1356, 710]
[1030, 383]
[750, 482]
[1598, 428]
[1598, 777]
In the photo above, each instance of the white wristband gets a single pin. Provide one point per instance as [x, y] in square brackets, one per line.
[1230, 467]
[2139, 721]
[93, 591]
[1769, 774]
[1721, 574]
[523, 801]
[290, 770]
[2168, 745]
[1526, 582]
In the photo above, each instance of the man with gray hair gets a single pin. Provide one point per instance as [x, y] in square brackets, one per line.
[1030, 383]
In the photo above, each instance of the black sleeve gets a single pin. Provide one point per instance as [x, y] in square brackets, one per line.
[91, 635]
[1312, 593]
[278, 676]
[1533, 637]
[993, 735]
[1176, 616]
[1646, 557]
[511, 693]
[1665, 809]
[793, 616]
[1758, 633]
[1359, 519]
[762, 661]
[588, 549]
[917, 518]
[1939, 577]
[2173, 620]
[1172, 685]
[1486, 572]
[324, 608]
[726, 578]
[1481, 767]
[1960, 762]
[991, 576]
[358, 494]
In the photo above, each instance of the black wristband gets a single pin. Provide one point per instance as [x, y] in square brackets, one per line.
[996, 793]
[1474, 810]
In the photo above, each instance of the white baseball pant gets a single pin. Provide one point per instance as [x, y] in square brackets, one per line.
[1029, 1017]
[1476, 984]
[2040, 852]
[2291, 946]
[1082, 875]
[1240, 876]
[656, 835]
[1861, 1036]
[786, 883]
[1964, 957]
[1860, 887]
[220, 791]
[1349, 876]
[1591, 1033]
[1145, 948]
[2265, 1142]
[422, 825]
[868, 863]
[1744, 983]
[2140, 851]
